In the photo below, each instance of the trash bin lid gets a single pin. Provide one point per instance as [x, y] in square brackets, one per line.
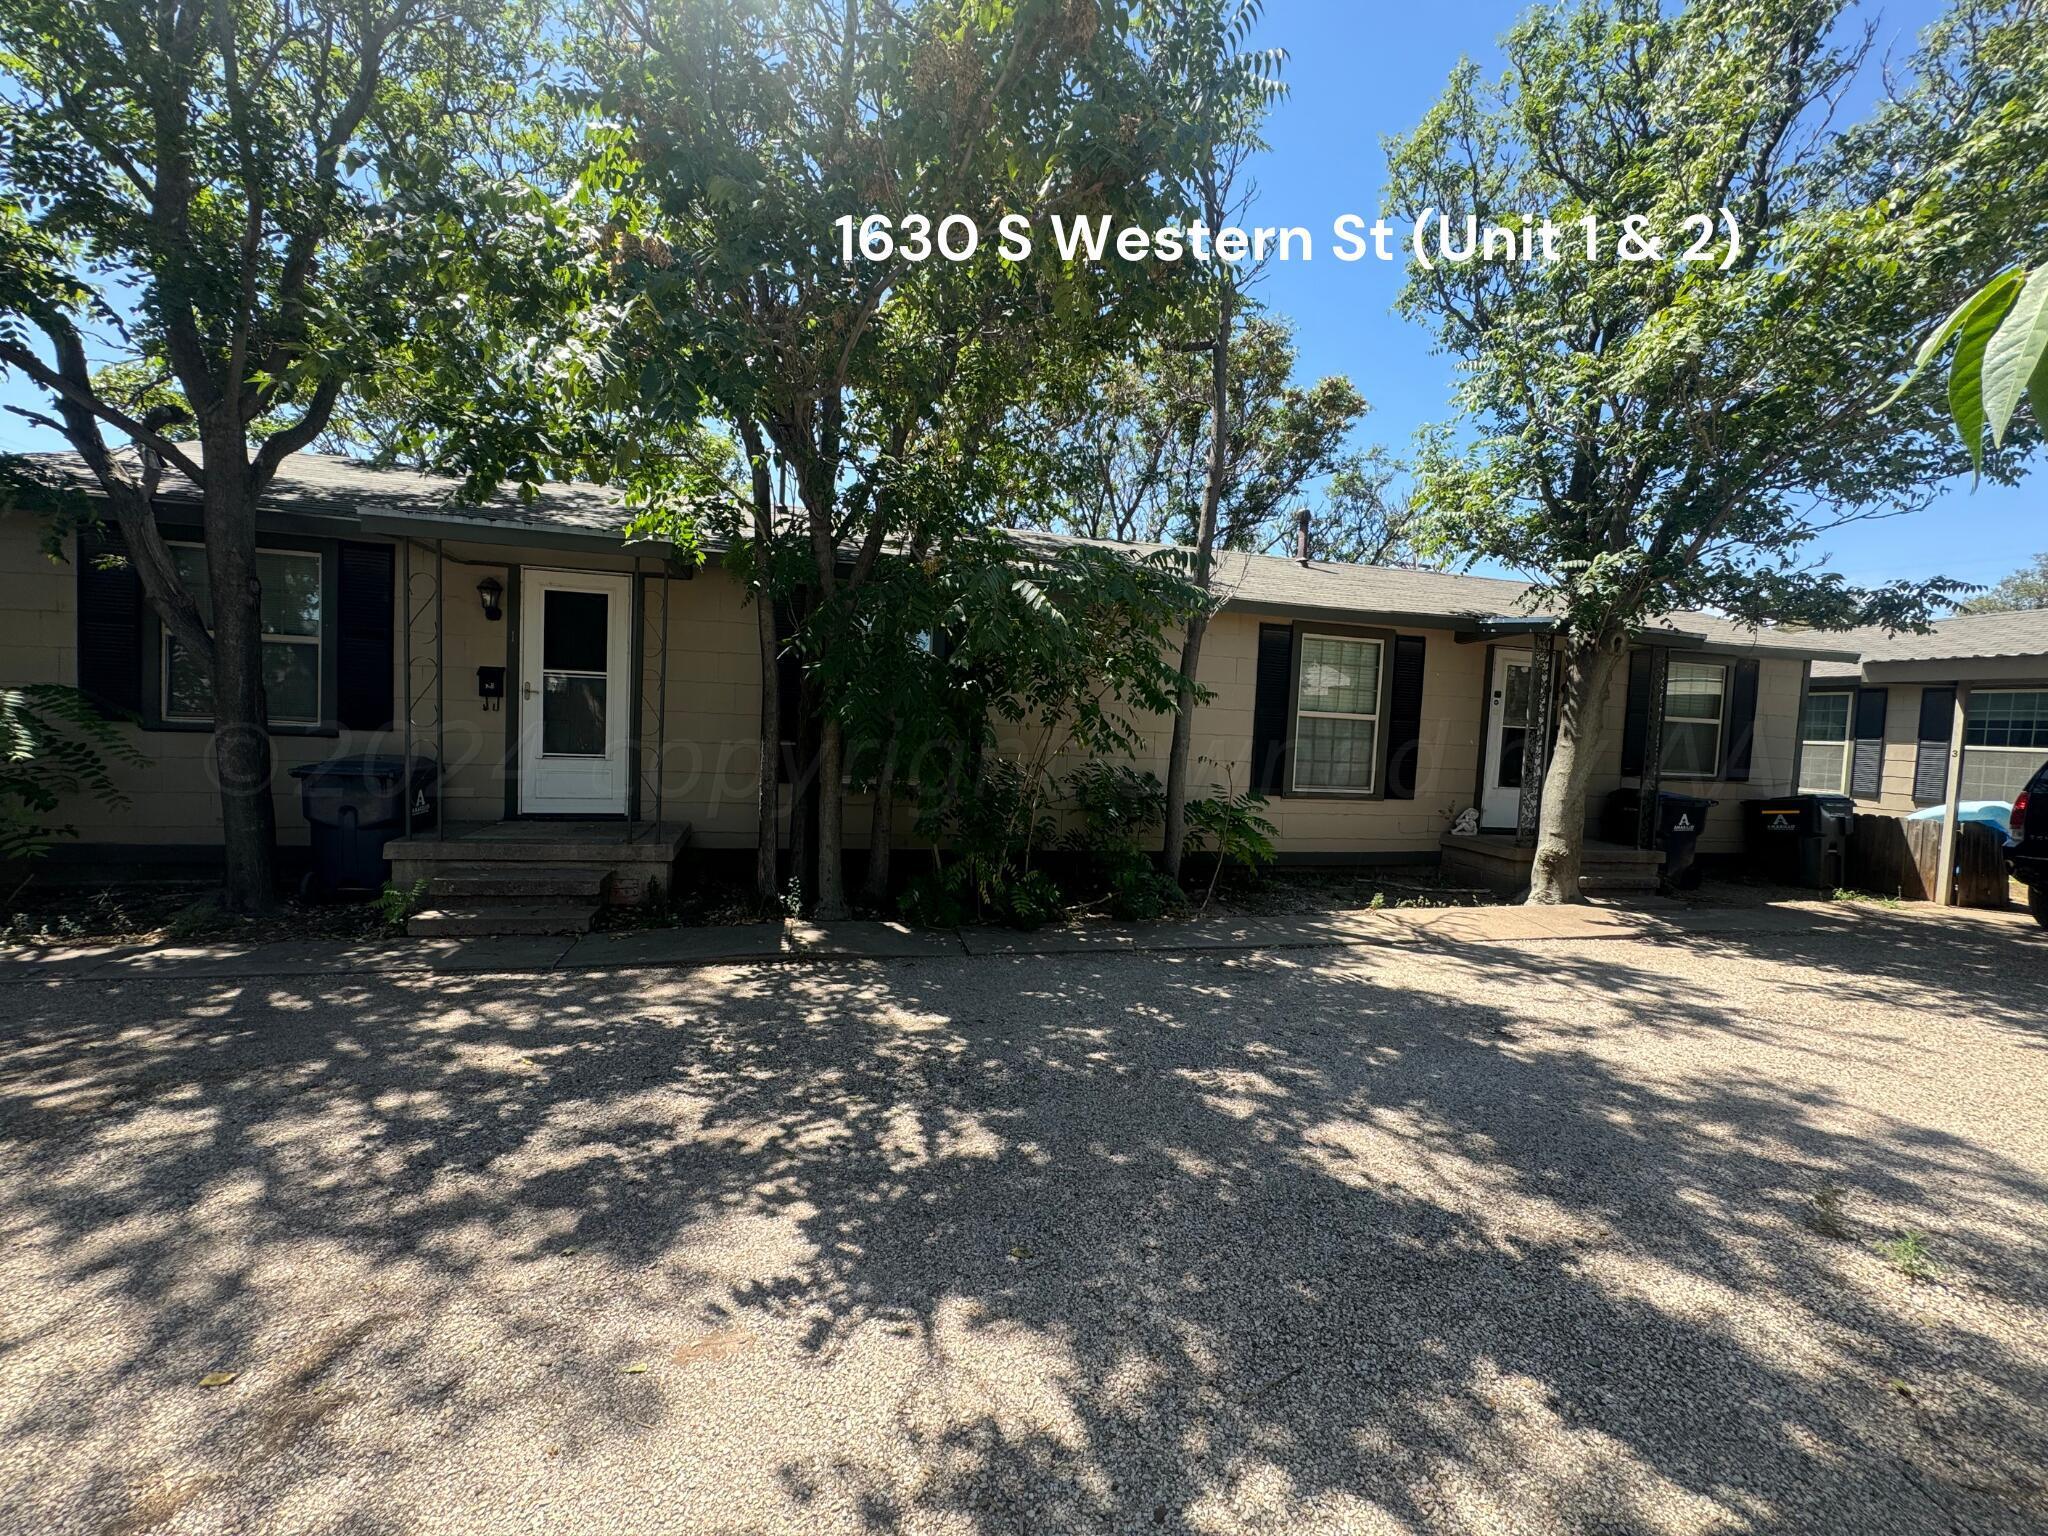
[364, 765]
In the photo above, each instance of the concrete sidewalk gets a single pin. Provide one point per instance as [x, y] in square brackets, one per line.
[686, 948]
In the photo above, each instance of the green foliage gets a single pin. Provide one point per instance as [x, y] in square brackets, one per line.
[1957, 161]
[1908, 1253]
[2024, 588]
[231, 191]
[1234, 828]
[995, 822]
[1057, 648]
[54, 745]
[396, 905]
[1644, 437]
[1120, 807]
[2001, 352]
[1124, 453]
[218, 202]
[1120, 812]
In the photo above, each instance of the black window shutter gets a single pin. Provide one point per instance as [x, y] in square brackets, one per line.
[1272, 706]
[364, 625]
[1930, 761]
[111, 610]
[1866, 759]
[1741, 721]
[1635, 719]
[1404, 717]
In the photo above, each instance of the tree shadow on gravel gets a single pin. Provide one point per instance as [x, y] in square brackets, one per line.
[1400, 1239]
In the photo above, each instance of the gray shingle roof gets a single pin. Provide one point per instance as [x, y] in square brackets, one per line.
[1962, 637]
[327, 486]
[1271, 584]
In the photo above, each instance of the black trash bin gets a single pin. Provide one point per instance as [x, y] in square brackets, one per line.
[1801, 840]
[1680, 820]
[355, 805]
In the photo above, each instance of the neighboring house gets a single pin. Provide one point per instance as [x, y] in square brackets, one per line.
[1881, 729]
[1370, 704]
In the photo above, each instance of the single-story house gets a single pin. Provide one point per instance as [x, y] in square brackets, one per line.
[1884, 728]
[560, 675]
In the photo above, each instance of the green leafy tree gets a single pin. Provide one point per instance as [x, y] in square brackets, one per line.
[1197, 50]
[54, 746]
[733, 136]
[2023, 589]
[1126, 452]
[2001, 356]
[1960, 158]
[208, 188]
[1366, 516]
[1650, 436]
[1048, 654]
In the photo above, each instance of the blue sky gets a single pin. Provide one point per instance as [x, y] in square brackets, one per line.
[1359, 69]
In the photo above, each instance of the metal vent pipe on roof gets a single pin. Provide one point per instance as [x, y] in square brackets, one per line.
[1301, 535]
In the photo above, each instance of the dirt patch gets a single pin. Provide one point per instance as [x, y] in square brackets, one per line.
[172, 913]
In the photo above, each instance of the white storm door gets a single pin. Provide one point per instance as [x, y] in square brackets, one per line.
[576, 693]
[1507, 719]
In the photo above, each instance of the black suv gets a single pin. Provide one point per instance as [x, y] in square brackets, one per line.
[2028, 854]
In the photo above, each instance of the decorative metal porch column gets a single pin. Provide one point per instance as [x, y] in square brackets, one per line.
[651, 771]
[1652, 776]
[416, 607]
[1536, 735]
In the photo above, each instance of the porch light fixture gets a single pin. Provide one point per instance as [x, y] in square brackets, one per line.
[491, 590]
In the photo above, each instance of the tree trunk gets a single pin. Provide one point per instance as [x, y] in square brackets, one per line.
[768, 788]
[1589, 666]
[881, 830]
[831, 902]
[1205, 545]
[241, 716]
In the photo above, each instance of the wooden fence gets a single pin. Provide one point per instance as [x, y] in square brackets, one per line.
[1891, 856]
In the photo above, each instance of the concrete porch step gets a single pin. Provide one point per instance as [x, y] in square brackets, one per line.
[512, 881]
[487, 917]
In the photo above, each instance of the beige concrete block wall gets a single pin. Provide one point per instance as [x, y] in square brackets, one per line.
[1772, 752]
[1446, 769]
[710, 732]
[474, 741]
[710, 750]
[172, 801]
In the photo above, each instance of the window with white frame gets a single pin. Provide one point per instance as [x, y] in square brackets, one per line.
[291, 637]
[1695, 696]
[1824, 744]
[2005, 739]
[1336, 714]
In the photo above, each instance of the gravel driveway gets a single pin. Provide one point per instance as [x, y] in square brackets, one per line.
[1422, 1237]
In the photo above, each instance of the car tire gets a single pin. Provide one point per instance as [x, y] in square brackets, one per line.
[2037, 902]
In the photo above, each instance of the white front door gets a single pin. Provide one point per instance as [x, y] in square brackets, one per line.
[576, 693]
[1507, 718]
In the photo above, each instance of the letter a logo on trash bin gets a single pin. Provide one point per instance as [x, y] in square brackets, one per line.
[419, 803]
[1684, 823]
[1781, 823]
